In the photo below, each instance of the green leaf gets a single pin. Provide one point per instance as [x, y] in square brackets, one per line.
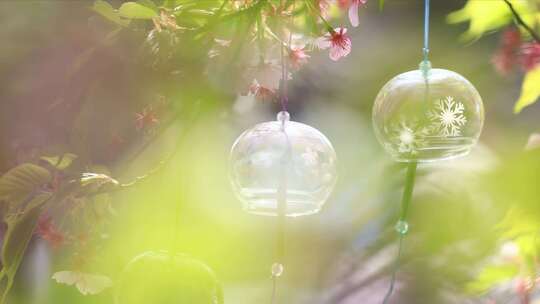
[20, 229]
[108, 12]
[381, 4]
[135, 10]
[148, 3]
[516, 223]
[97, 179]
[19, 232]
[528, 250]
[485, 16]
[18, 183]
[60, 162]
[491, 276]
[530, 90]
[86, 283]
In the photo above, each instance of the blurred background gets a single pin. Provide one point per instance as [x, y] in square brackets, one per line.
[52, 101]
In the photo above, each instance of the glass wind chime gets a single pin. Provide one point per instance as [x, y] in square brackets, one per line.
[425, 115]
[282, 168]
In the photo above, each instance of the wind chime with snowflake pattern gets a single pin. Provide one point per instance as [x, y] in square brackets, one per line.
[425, 115]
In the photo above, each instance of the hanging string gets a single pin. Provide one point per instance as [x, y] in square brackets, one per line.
[284, 100]
[279, 254]
[278, 265]
[402, 227]
[425, 65]
[426, 30]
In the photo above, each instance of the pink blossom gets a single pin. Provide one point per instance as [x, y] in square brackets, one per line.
[353, 11]
[523, 289]
[146, 118]
[268, 74]
[505, 57]
[265, 74]
[511, 38]
[530, 53]
[264, 79]
[262, 93]
[116, 144]
[343, 4]
[297, 57]
[503, 60]
[324, 7]
[48, 231]
[338, 41]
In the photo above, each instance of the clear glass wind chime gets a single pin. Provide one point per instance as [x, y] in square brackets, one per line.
[425, 115]
[282, 168]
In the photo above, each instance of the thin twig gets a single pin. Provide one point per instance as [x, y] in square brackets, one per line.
[318, 13]
[521, 22]
[161, 164]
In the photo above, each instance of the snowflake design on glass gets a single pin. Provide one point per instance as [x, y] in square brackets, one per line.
[408, 137]
[447, 117]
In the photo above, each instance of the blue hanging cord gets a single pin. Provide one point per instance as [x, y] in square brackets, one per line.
[402, 227]
[426, 30]
[425, 65]
[278, 266]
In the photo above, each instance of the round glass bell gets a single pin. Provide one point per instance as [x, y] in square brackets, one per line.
[428, 115]
[283, 166]
[167, 278]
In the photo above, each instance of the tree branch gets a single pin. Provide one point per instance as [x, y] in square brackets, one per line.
[161, 164]
[521, 22]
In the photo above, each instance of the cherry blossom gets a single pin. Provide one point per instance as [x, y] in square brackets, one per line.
[353, 11]
[267, 74]
[297, 57]
[343, 4]
[298, 48]
[324, 7]
[264, 80]
[338, 41]
[262, 93]
[116, 144]
[117, 141]
[146, 118]
[503, 60]
[523, 288]
[49, 232]
[505, 57]
[530, 53]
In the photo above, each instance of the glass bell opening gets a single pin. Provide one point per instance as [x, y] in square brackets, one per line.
[423, 119]
[283, 163]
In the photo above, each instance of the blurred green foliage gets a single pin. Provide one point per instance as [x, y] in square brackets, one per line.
[485, 17]
[81, 129]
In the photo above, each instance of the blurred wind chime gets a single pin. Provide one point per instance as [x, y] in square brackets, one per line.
[282, 168]
[425, 115]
